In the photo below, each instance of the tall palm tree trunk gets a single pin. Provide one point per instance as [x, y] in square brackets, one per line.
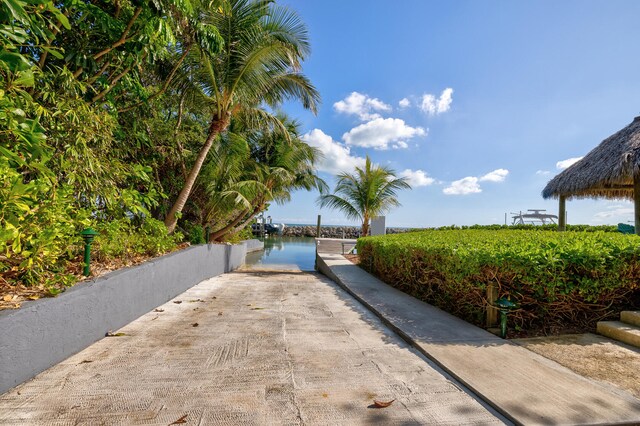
[218, 125]
[221, 232]
[365, 227]
[247, 220]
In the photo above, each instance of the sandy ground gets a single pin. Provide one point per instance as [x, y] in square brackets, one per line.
[592, 356]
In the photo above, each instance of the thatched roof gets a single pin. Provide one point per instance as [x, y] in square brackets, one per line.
[606, 171]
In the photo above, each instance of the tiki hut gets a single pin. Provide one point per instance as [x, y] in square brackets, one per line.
[610, 170]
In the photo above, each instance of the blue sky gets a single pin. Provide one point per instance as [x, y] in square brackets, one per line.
[496, 94]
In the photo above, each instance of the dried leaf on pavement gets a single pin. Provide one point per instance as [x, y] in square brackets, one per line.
[382, 404]
[181, 420]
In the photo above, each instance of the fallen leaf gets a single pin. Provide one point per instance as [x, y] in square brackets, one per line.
[325, 395]
[295, 294]
[7, 298]
[180, 421]
[382, 404]
[34, 297]
[112, 334]
[219, 314]
[214, 298]
[256, 309]
[177, 302]
[195, 324]
[158, 310]
[86, 361]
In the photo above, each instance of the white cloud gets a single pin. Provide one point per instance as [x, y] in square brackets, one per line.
[470, 184]
[404, 103]
[433, 106]
[417, 178]
[561, 165]
[616, 212]
[361, 105]
[498, 175]
[337, 157]
[543, 172]
[382, 133]
[464, 186]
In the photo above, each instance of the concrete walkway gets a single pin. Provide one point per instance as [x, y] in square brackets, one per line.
[264, 348]
[526, 387]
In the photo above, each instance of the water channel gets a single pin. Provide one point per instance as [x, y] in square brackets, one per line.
[285, 253]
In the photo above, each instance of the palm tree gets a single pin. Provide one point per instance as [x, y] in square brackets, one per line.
[280, 162]
[264, 45]
[367, 193]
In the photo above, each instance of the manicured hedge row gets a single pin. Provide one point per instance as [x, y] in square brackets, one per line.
[529, 227]
[569, 279]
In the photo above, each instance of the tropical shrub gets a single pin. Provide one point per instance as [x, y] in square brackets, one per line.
[569, 279]
[547, 227]
[123, 237]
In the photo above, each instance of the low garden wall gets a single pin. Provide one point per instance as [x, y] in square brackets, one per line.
[44, 332]
[558, 280]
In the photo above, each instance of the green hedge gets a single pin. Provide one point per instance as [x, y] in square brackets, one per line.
[530, 227]
[570, 279]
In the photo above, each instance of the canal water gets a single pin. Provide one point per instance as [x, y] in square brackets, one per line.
[285, 253]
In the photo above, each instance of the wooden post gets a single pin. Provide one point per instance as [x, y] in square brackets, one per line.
[318, 227]
[492, 311]
[562, 214]
[636, 201]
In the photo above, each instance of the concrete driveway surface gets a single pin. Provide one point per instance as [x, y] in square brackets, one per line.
[252, 347]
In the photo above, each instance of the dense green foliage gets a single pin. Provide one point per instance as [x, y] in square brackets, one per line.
[548, 227]
[557, 279]
[113, 112]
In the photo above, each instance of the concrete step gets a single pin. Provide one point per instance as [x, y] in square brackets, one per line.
[620, 331]
[630, 317]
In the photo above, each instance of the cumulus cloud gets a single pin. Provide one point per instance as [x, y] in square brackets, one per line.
[471, 184]
[464, 186]
[417, 178]
[361, 105]
[434, 106]
[561, 165]
[498, 175]
[337, 157]
[404, 103]
[615, 213]
[382, 133]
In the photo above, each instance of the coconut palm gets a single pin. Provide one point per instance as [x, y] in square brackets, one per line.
[264, 45]
[369, 192]
[280, 162]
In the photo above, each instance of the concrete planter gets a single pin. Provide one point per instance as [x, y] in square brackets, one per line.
[47, 331]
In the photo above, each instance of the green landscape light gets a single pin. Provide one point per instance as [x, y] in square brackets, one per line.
[504, 305]
[88, 235]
